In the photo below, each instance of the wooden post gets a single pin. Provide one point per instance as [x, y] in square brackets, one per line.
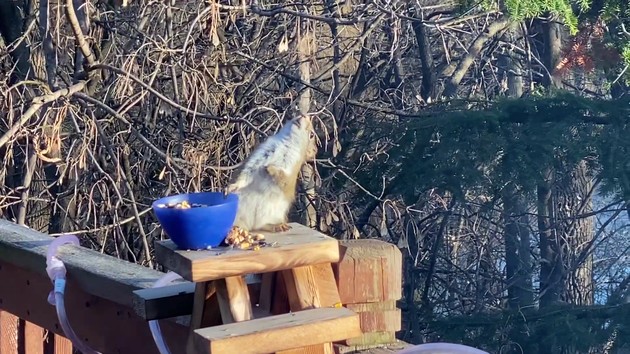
[20, 336]
[62, 345]
[9, 329]
[369, 277]
[33, 338]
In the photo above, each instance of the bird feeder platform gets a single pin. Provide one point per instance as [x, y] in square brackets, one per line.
[296, 309]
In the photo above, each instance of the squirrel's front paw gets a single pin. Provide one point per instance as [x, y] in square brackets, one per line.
[230, 189]
[274, 171]
[278, 174]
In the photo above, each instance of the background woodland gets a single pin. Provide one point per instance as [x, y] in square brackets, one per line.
[489, 140]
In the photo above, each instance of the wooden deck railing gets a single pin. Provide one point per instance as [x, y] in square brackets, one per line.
[99, 299]
[108, 301]
[18, 336]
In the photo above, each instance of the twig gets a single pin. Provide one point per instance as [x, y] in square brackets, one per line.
[194, 22]
[175, 104]
[355, 103]
[134, 207]
[275, 11]
[338, 169]
[26, 186]
[106, 227]
[254, 8]
[37, 102]
[473, 50]
[175, 160]
[623, 71]
[78, 33]
[350, 53]
[98, 165]
[47, 44]
[16, 43]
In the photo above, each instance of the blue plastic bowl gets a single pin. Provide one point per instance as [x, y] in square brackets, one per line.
[198, 227]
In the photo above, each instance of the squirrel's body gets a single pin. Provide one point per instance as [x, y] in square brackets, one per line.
[267, 181]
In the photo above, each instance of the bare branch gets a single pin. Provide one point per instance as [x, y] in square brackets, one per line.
[78, 33]
[174, 104]
[473, 51]
[36, 104]
[177, 162]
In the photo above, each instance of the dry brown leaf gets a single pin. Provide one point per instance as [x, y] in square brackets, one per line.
[284, 45]
[161, 176]
[355, 232]
[215, 38]
[336, 148]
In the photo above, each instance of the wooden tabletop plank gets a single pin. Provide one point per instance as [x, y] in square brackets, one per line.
[300, 246]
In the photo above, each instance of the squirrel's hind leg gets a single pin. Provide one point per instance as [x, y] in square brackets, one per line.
[282, 227]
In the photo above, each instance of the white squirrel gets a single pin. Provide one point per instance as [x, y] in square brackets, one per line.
[268, 178]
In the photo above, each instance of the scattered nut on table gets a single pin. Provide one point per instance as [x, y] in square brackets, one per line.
[244, 240]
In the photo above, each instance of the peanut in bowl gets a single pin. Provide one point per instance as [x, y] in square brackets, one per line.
[196, 220]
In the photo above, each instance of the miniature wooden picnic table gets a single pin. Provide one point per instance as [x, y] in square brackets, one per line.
[297, 270]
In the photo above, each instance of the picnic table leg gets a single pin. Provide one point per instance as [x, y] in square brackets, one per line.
[311, 287]
[205, 310]
[267, 287]
[234, 301]
[219, 302]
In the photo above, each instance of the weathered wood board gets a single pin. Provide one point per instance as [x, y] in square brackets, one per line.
[9, 327]
[389, 348]
[164, 302]
[300, 246]
[378, 316]
[369, 271]
[373, 306]
[311, 287]
[234, 302]
[381, 321]
[33, 338]
[371, 338]
[281, 332]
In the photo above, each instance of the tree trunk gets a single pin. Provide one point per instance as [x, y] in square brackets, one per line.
[551, 272]
[566, 263]
[552, 32]
[572, 195]
[517, 253]
[517, 238]
[429, 75]
[450, 89]
[11, 28]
